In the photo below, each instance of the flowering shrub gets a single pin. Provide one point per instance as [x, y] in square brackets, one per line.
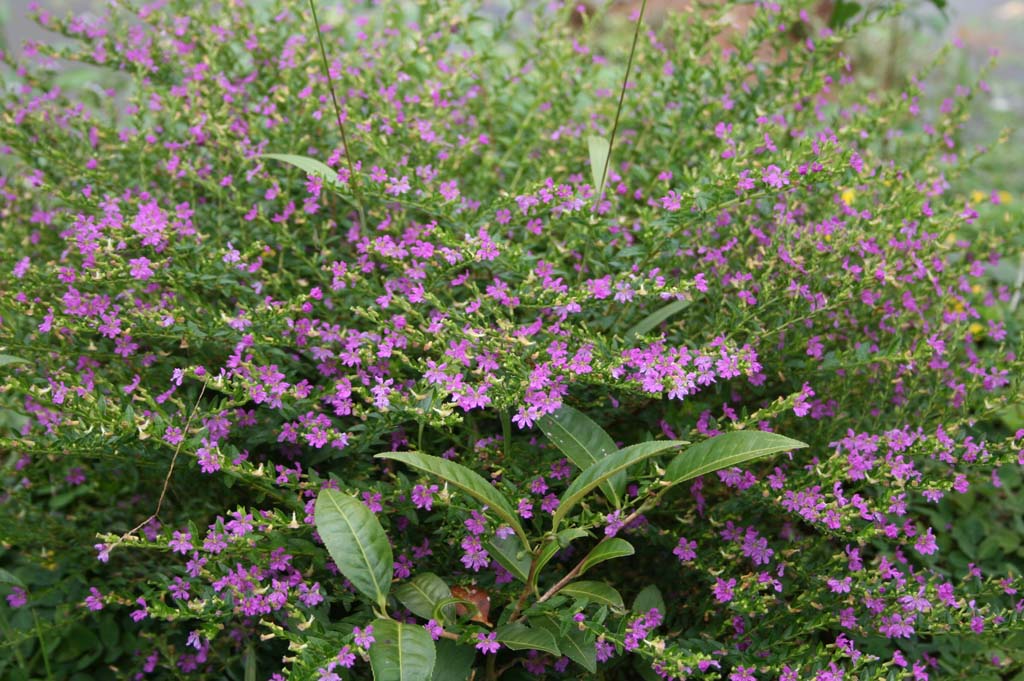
[479, 376]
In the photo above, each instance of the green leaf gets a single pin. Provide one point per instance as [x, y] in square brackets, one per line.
[512, 556]
[843, 11]
[599, 149]
[584, 443]
[651, 321]
[421, 593]
[401, 652]
[725, 450]
[577, 645]
[11, 359]
[454, 661]
[607, 550]
[356, 542]
[521, 637]
[594, 592]
[444, 608]
[9, 578]
[563, 539]
[464, 479]
[310, 165]
[249, 668]
[605, 469]
[649, 597]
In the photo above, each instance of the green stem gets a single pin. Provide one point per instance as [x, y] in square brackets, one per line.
[9, 635]
[622, 97]
[337, 113]
[42, 645]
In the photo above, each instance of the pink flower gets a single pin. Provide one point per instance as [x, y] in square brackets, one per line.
[140, 268]
[17, 598]
[488, 643]
[94, 601]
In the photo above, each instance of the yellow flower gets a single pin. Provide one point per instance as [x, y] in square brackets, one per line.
[977, 196]
[976, 329]
[848, 196]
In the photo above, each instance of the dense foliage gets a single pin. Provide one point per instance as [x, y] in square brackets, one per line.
[422, 406]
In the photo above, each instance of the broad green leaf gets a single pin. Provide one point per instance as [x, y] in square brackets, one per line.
[607, 550]
[421, 593]
[310, 165]
[521, 637]
[466, 480]
[651, 321]
[9, 578]
[599, 149]
[564, 538]
[595, 592]
[649, 597]
[512, 556]
[11, 359]
[605, 469]
[356, 542]
[725, 450]
[577, 645]
[842, 12]
[401, 652]
[584, 443]
[454, 660]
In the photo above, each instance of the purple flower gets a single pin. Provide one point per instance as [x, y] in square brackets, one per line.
[182, 542]
[423, 496]
[17, 598]
[686, 550]
[346, 658]
[615, 523]
[140, 268]
[142, 613]
[363, 637]
[94, 601]
[723, 590]
[774, 177]
[605, 650]
[743, 674]
[434, 629]
[488, 643]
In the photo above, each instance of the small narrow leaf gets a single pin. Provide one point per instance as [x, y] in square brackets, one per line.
[594, 592]
[512, 555]
[422, 593]
[11, 359]
[607, 550]
[606, 468]
[521, 637]
[356, 542]
[443, 608]
[651, 321]
[464, 479]
[725, 450]
[584, 443]
[564, 538]
[310, 165]
[649, 597]
[401, 652]
[454, 661]
[599, 149]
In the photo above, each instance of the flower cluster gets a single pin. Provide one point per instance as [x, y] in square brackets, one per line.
[222, 295]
